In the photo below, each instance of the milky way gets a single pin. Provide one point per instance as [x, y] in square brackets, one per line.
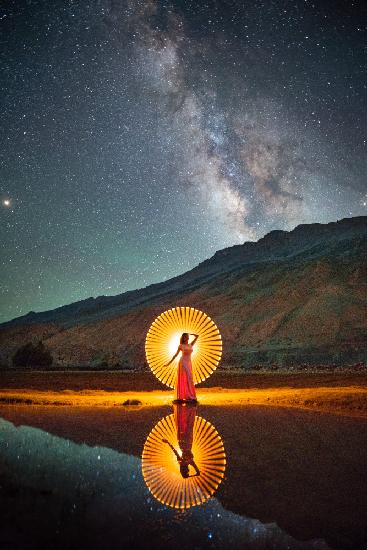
[138, 138]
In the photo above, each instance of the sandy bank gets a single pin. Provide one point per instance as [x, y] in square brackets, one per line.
[346, 400]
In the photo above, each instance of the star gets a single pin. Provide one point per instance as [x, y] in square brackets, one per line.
[140, 140]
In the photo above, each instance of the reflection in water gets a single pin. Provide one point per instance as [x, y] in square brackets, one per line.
[61, 494]
[184, 420]
[183, 459]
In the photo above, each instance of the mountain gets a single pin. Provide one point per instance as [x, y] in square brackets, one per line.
[291, 297]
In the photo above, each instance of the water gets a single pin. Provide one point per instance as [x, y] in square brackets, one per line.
[98, 478]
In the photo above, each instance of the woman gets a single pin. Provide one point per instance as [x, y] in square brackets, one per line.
[185, 388]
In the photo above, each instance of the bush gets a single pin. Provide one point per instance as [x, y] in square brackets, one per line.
[31, 355]
[132, 402]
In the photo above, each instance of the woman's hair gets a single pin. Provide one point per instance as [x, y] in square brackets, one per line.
[183, 337]
[184, 469]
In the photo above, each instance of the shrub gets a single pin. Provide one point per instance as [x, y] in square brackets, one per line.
[31, 355]
[132, 402]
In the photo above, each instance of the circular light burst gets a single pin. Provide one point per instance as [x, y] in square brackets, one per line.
[161, 470]
[163, 338]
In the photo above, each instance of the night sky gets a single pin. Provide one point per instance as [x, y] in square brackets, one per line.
[137, 138]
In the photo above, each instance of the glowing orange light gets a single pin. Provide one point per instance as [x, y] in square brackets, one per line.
[161, 470]
[163, 338]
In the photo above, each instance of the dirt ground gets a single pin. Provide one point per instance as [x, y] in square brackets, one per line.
[144, 381]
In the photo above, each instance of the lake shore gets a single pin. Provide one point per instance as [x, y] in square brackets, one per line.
[343, 392]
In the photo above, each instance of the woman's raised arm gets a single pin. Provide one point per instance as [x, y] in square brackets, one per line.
[194, 340]
[196, 469]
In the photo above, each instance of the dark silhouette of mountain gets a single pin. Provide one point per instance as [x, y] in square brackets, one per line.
[297, 296]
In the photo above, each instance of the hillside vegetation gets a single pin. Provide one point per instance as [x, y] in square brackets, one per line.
[292, 298]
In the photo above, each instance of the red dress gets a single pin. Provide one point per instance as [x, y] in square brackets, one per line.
[185, 388]
[185, 420]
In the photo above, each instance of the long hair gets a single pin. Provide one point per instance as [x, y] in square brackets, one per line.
[184, 469]
[183, 336]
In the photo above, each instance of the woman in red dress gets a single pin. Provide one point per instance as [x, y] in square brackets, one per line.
[185, 388]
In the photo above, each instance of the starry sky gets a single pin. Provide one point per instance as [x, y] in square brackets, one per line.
[137, 138]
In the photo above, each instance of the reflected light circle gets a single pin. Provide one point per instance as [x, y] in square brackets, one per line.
[161, 470]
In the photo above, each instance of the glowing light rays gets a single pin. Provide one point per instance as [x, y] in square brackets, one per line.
[184, 432]
[163, 338]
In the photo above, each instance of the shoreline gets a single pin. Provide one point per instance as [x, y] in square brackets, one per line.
[347, 400]
[343, 392]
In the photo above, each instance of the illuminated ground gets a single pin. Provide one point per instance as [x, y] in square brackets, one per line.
[348, 400]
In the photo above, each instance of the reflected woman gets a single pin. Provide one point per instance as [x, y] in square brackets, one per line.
[185, 388]
[184, 420]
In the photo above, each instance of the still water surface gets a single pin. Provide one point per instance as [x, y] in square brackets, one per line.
[180, 476]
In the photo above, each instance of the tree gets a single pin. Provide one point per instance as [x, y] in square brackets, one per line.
[30, 355]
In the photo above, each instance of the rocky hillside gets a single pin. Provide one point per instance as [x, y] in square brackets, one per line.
[297, 297]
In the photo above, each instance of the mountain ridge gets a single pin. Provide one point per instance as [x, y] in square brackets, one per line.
[291, 297]
[247, 246]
